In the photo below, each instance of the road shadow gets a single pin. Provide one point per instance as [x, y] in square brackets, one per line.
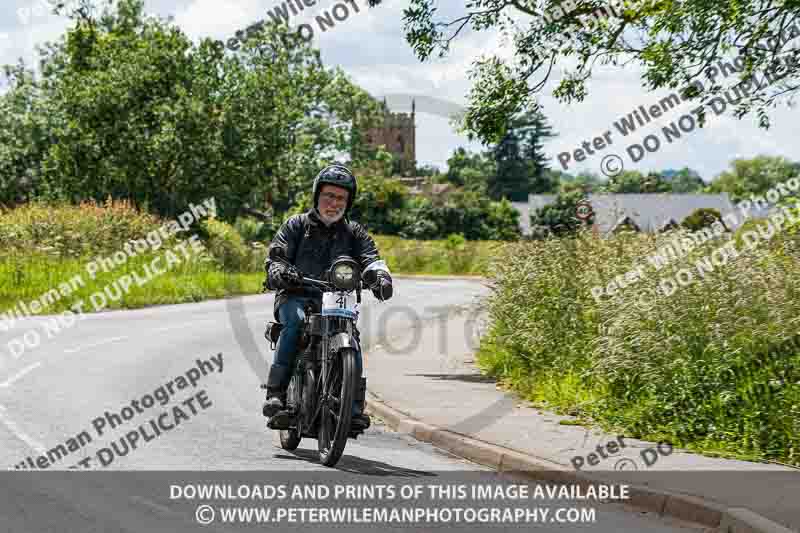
[490, 415]
[468, 378]
[356, 465]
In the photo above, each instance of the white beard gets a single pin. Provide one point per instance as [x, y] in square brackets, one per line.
[328, 221]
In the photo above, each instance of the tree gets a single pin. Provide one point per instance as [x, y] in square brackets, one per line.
[378, 196]
[679, 46]
[632, 181]
[552, 182]
[25, 121]
[511, 179]
[128, 106]
[684, 180]
[521, 162]
[701, 218]
[753, 176]
[470, 170]
[468, 213]
[586, 182]
[535, 130]
[456, 163]
[560, 217]
[428, 171]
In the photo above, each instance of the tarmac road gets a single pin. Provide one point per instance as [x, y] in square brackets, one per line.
[194, 371]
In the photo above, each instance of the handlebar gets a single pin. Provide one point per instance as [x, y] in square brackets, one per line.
[322, 284]
[325, 285]
[317, 283]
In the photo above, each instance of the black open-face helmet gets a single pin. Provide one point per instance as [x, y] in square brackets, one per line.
[340, 176]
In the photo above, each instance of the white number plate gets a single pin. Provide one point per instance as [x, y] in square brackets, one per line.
[339, 304]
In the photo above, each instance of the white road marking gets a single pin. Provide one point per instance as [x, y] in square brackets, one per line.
[10, 381]
[92, 345]
[184, 325]
[19, 434]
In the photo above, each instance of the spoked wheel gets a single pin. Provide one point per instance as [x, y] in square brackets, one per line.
[336, 409]
[290, 438]
[309, 404]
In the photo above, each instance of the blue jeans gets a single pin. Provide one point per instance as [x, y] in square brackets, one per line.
[291, 314]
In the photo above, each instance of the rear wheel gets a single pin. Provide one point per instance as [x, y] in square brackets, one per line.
[309, 404]
[290, 438]
[336, 411]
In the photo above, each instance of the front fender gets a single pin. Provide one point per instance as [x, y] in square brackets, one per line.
[343, 340]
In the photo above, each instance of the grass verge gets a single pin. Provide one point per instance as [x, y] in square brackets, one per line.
[44, 246]
[712, 365]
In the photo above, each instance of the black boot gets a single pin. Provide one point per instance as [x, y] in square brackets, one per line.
[275, 402]
[276, 392]
[280, 420]
[360, 422]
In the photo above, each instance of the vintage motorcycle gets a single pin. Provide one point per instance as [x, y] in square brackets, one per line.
[323, 388]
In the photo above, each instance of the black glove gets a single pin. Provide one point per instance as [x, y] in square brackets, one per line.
[382, 289]
[281, 276]
[292, 277]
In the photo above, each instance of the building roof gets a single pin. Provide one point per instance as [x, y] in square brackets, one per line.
[625, 221]
[650, 212]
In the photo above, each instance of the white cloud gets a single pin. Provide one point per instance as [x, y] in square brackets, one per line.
[218, 18]
[370, 46]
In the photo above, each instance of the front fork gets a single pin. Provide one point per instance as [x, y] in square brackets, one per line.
[331, 344]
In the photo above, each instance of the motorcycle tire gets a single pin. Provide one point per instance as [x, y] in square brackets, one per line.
[335, 418]
[309, 404]
[290, 438]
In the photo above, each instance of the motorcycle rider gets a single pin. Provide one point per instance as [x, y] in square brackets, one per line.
[311, 242]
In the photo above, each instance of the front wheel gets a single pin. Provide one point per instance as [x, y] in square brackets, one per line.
[336, 410]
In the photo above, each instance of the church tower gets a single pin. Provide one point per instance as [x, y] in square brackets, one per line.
[398, 134]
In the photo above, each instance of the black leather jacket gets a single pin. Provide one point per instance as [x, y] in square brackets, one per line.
[311, 246]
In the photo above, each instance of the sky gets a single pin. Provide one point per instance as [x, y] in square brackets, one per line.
[370, 46]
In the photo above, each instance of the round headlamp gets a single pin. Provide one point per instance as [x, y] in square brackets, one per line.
[343, 274]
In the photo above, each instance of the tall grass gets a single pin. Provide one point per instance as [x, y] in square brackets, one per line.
[714, 366]
[453, 255]
[65, 231]
[44, 245]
